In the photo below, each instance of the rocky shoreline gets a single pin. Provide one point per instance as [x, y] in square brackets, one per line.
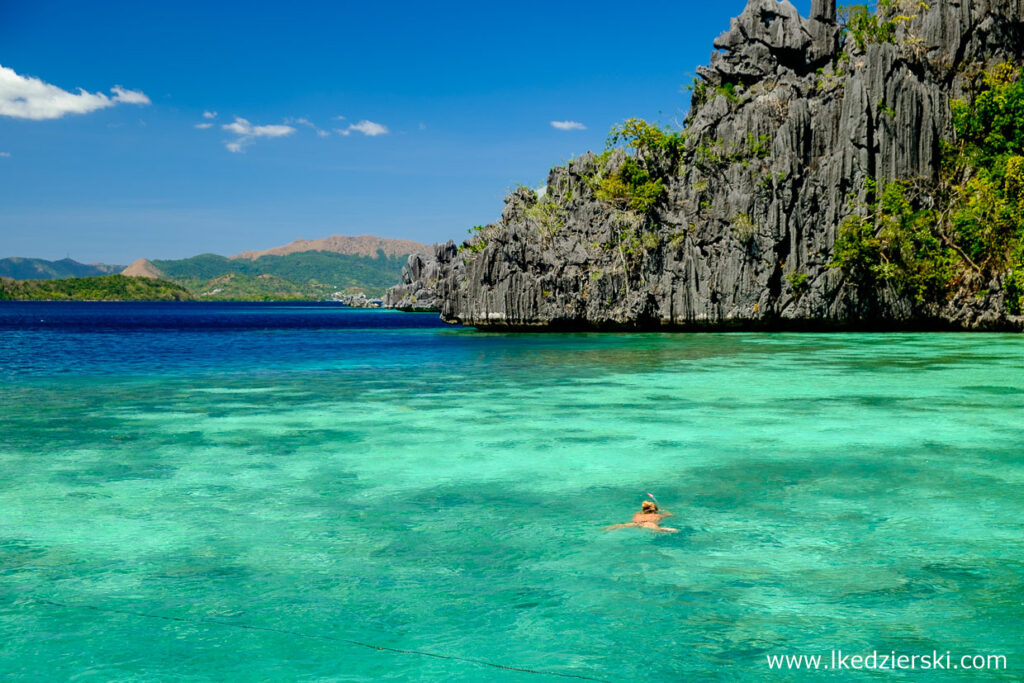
[790, 126]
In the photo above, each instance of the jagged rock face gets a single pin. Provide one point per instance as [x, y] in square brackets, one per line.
[421, 277]
[823, 10]
[778, 145]
[768, 37]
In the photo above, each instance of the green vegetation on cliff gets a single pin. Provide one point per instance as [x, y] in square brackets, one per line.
[97, 288]
[639, 183]
[972, 230]
[986, 168]
[864, 25]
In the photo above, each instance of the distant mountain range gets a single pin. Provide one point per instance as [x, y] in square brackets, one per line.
[302, 275]
[360, 245]
[304, 269]
[40, 269]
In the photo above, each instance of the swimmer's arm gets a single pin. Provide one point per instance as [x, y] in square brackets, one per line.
[620, 526]
[666, 513]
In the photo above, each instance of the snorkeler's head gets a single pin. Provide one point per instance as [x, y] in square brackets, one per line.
[648, 506]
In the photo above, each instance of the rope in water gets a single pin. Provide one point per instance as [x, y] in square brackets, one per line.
[317, 636]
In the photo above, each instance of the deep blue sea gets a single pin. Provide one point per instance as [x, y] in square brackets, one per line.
[307, 492]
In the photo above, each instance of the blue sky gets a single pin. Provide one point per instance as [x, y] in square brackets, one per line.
[406, 120]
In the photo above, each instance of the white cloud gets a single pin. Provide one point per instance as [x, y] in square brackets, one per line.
[240, 126]
[367, 128]
[303, 121]
[247, 132]
[6, 155]
[342, 131]
[568, 125]
[24, 97]
[209, 114]
[204, 126]
[243, 127]
[423, 126]
[129, 96]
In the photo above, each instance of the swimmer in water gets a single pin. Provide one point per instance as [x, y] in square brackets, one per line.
[650, 518]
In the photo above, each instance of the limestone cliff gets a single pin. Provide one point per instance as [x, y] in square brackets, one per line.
[788, 122]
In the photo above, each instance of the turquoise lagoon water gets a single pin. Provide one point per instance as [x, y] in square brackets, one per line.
[213, 492]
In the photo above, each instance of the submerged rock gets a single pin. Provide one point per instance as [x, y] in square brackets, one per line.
[787, 125]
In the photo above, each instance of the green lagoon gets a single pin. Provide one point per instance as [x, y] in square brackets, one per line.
[214, 492]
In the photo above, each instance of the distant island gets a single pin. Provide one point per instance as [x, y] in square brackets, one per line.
[339, 267]
[93, 288]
